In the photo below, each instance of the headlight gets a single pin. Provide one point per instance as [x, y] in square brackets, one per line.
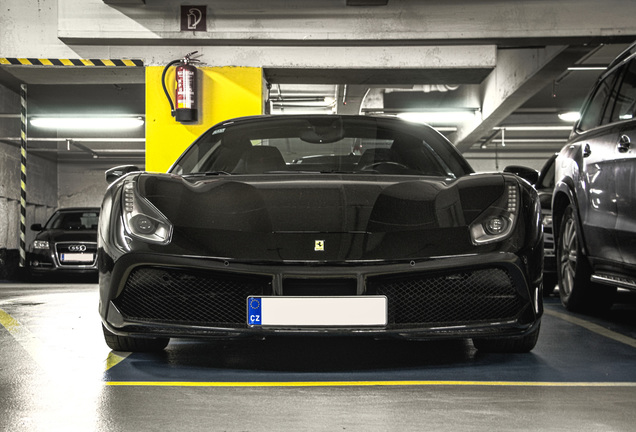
[40, 244]
[141, 218]
[498, 221]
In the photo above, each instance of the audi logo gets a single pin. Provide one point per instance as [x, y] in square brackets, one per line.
[77, 248]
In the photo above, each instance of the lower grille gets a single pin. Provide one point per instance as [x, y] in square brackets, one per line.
[548, 241]
[483, 295]
[83, 253]
[320, 287]
[186, 296]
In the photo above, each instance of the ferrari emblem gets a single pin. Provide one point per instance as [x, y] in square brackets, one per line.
[320, 245]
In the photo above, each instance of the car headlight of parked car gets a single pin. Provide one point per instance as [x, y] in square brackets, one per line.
[498, 221]
[142, 220]
[40, 244]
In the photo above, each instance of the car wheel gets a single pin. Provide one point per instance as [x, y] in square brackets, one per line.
[515, 344]
[576, 290]
[134, 344]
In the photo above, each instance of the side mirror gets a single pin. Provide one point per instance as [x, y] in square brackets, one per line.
[36, 227]
[526, 173]
[119, 171]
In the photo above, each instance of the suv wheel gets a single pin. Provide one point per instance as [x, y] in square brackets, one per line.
[575, 289]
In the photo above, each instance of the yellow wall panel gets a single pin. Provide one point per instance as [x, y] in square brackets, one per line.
[223, 93]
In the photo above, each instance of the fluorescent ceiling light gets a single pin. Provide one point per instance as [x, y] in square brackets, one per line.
[587, 68]
[438, 117]
[84, 123]
[571, 116]
[536, 128]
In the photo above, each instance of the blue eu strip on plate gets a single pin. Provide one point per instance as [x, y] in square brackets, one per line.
[254, 315]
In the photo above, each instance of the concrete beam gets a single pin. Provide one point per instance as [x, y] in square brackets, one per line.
[520, 73]
[330, 22]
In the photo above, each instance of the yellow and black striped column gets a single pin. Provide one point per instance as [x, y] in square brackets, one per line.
[15, 61]
[23, 176]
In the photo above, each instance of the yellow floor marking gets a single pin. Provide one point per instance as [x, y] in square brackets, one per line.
[593, 327]
[8, 322]
[37, 349]
[114, 359]
[24, 337]
[369, 383]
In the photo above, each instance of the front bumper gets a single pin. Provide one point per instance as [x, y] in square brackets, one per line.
[47, 261]
[448, 297]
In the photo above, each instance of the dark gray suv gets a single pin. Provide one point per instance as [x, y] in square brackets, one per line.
[594, 202]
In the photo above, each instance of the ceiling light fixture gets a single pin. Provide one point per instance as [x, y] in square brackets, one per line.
[587, 68]
[570, 116]
[87, 123]
[530, 128]
[438, 117]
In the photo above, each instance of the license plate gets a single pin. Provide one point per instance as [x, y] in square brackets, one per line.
[76, 257]
[282, 311]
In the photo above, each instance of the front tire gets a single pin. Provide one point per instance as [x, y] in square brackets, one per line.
[577, 292]
[133, 344]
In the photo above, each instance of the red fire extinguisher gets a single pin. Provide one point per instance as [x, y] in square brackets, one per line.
[184, 110]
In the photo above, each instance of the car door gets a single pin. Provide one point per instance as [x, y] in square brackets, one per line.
[624, 114]
[596, 138]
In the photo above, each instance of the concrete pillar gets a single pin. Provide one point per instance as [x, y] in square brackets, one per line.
[350, 99]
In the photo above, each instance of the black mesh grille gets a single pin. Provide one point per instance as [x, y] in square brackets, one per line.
[176, 295]
[483, 295]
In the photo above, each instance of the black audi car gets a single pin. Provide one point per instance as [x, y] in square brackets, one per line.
[66, 244]
[324, 226]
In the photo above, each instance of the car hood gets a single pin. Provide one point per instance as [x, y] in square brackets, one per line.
[58, 235]
[322, 217]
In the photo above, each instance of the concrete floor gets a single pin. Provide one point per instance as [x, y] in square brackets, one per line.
[57, 374]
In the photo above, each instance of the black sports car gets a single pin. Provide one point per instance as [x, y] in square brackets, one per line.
[67, 243]
[320, 225]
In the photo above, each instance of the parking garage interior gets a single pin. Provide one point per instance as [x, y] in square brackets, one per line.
[495, 77]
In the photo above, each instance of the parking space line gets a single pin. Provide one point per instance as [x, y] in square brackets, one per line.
[593, 328]
[368, 383]
[37, 350]
[114, 359]
[24, 337]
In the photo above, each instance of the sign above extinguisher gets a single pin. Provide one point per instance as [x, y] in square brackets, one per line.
[194, 18]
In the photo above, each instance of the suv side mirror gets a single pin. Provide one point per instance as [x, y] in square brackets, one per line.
[119, 171]
[36, 227]
[526, 173]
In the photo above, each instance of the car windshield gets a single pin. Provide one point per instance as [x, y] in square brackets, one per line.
[321, 144]
[73, 220]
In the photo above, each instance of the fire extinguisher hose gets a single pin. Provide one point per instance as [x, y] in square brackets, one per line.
[163, 84]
